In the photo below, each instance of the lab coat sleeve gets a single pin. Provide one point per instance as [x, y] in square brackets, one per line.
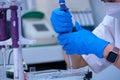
[95, 63]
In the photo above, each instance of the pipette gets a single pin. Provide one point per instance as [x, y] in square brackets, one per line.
[63, 7]
[3, 35]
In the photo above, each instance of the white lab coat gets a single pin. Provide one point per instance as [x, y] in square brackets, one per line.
[109, 29]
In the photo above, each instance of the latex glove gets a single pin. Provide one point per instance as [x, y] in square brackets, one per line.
[61, 21]
[82, 42]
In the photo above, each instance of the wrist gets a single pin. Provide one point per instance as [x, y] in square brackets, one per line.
[107, 51]
[108, 48]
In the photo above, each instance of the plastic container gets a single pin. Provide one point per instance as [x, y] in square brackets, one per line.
[56, 75]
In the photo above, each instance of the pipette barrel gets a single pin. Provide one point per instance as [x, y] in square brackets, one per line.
[14, 26]
[63, 7]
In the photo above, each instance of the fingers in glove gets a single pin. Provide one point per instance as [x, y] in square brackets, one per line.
[61, 18]
[59, 27]
[61, 13]
[63, 42]
[78, 27]
[69, 52]
[62, 37]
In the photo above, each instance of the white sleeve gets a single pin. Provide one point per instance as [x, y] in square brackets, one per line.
[95, 63]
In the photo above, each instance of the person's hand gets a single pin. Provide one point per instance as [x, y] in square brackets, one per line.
[82, 42]
[61, 21]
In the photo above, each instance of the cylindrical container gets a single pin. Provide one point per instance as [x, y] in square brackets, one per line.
[3, 26]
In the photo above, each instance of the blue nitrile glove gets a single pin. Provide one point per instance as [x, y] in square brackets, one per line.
[61, 21]
[82, 42]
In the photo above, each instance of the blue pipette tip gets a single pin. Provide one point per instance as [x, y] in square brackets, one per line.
[63, 7]
[61, 1]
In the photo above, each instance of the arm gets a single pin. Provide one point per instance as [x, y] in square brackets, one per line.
[81, 40]
[77, 61]
[90, 44]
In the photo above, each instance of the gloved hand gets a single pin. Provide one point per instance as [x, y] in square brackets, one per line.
[82, 42]
[61, 21]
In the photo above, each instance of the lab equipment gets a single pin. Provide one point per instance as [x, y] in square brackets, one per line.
[85, 18]
[42, 31]
[3, 36]
[16, 39]
[64, 8]
[2, 74]
[84, 42]
[31, 5]
[55, 74]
